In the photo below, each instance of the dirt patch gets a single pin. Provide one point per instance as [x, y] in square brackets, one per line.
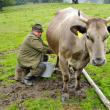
[43, 88]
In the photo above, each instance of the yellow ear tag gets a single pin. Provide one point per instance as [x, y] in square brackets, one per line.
[79, 35]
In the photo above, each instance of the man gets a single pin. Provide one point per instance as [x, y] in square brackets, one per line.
[30, 56]
[1, 5]
[75, 1]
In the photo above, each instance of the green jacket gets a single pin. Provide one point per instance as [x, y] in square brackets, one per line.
[31, 51]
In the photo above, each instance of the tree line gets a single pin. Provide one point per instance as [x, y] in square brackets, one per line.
[4, 3]
[106, 1]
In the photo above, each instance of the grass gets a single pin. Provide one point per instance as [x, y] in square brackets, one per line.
[15, 24]
[14, 106]
[39, 104]
[8, 68]
[43, 104]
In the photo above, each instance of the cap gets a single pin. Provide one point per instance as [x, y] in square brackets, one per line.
[37, 27]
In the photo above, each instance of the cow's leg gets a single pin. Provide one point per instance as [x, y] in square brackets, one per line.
[77, 80]
[79, 92]
[66, 77]
[57, 65]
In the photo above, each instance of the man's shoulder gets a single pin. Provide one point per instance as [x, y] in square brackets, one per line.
[32, 38]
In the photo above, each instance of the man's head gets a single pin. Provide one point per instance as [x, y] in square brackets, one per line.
[37, 30]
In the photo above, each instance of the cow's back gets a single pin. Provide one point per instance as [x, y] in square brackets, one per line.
[59, 28]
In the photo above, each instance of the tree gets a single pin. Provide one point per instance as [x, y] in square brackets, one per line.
[20, 2]
[35, 1]
[106, 1]
[1, 4]
[9, 2]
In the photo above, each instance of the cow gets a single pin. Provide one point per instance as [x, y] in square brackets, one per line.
[75, 52]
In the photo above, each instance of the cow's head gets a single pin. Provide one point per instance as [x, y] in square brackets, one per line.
[96, 32]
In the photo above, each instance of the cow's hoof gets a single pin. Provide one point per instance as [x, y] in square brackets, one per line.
[65, 97]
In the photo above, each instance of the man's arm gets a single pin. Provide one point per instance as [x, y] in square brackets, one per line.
[49, 50]
[43, 48]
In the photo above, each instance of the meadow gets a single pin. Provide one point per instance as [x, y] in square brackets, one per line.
[15, 24]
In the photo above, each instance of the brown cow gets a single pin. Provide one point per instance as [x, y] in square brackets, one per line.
[73, 51]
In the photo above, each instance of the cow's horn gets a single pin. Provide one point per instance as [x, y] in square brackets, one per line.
[108, 19]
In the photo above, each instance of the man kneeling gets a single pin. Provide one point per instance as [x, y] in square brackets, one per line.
[30, 57]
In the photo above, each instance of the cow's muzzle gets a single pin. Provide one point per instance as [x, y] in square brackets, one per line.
[98, 62]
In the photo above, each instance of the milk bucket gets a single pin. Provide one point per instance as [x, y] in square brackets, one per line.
[49, 69]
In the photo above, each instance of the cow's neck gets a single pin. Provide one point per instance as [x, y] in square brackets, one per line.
[79, 59]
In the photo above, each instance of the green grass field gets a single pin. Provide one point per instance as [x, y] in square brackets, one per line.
[16, 23]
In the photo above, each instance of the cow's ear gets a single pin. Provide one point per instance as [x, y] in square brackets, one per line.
[79, 28]
[108, 28]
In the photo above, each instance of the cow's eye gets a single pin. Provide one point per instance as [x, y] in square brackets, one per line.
[87, 36]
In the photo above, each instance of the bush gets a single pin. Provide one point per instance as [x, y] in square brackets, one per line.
[12, 2]
[1, 4]
[20, 2]
[8, 2]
